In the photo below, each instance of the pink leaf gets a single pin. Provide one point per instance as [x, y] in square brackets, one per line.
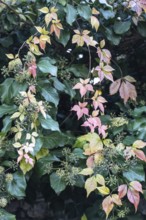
[133, 197]
[107, 205]
[136, 186]
[114, 87]
[139, 154]
[122, 190]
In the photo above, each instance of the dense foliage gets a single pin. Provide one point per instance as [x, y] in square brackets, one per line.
[73, 105]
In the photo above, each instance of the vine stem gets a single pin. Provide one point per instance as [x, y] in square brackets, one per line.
[89, 61]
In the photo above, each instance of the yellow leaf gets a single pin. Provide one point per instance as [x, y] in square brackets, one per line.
[17, 145]
[103, 190]
[25, 167]
[39, 29]
[87, 171]
[84, 217]
[94, 23]
[107, 205]
[44, 10]
[90, 185]
[100, 179]
[139, 144]
[42, 153]
[95, 12]
[102, 43]
[10, 56]
[116, 199]
[15, 115]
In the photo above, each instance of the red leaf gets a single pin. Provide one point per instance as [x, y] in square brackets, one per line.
[139, 154]
[114, 87]
[133, 197]
[122, 190]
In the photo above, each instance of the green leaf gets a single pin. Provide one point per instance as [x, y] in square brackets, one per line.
[121, 27]
[113, 38]
[17, 186]
[57, 139]
[139, 111]
[50, 94]
[7, 122]
[84, 11]
[64, 37]
[71, 14]
[49, 124]
[25, 167]
[4, 215]
[43, 164]
[42, 153]
[9, 89]
[129, 140]
[68, 89]
[57, 183]
[141, 27]
[79, 70]
[104, 2]
[107, 14]
[45, 65]
[7, 109]
[38, 146]
[135, 173]
[58, 85]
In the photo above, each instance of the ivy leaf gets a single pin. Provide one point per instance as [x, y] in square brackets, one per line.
[43, 164]
[57, 139]
[133, 197]
[6, 216]
[104, 2]
[64, 37]
[122, 190]
[25, 167]
[17, 186]
[7, 109]
[57, 183]
[45, 65]
[107, 205]
[84, 11]
[50, 94]
[7, 122]
[49, 124]
[71, 14]
[135, 173]
[121, 27]
[90, 185]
